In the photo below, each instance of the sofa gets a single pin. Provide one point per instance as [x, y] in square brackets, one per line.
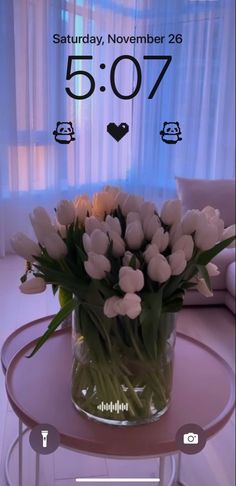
[196, 194]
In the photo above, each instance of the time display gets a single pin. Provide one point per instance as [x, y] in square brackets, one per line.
[123, 96]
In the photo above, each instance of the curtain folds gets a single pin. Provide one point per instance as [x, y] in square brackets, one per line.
[197, 91]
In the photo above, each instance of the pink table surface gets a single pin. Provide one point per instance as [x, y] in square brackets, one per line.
[22, 336]
[39, 392]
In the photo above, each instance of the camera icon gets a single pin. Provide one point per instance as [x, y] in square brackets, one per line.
[190, 438]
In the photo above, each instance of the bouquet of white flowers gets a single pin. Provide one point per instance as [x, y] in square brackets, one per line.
[123, 268]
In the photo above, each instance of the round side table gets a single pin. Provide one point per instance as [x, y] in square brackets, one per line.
[203, 393]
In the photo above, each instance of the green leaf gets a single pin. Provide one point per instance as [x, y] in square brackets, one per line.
[60, 316]
[149, 319]
[206, 256]
[64, 296]
[133, 262]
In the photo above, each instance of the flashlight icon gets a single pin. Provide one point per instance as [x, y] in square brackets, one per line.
[44, 434]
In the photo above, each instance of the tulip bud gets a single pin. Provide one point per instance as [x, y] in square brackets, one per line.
[34, 285]
[206, 236]
[55, 246]
[161, 239]
[118, 244]
[127, 257]
[110, 306]
[98, 242]
[83, 208]
[171, 211]
[113, 224]
[131, 305]
[131, 203]
[175, 233]
[190, 221]
[114, 193]
[132, 216]
[212, 269]
[147, 210]
[130, 280]
[203, 288]
[134, 235]
[150, 226]
[228, 232]
[177, 262]
[91, 223]
[97, 266]
[159, 269]
[184, 243]
[25, 247]
[102, 203]
[65, 212]
[150, 252]
[41, 223]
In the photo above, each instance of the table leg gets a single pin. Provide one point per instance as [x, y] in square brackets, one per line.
[178, 470]
[37, 457]
[162, 470]
[20, 453]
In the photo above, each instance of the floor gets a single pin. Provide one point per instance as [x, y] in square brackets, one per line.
[214, 466]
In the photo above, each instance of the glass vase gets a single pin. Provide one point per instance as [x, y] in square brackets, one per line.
[115, 378]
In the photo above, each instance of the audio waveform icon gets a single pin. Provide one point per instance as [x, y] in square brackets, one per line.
[117, 406]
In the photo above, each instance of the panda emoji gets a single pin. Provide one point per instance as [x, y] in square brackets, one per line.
[64, 132]
[171, 132]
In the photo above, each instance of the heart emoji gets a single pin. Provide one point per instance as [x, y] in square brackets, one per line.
[117, 131]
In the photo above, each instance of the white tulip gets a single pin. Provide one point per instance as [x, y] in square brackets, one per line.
[131, 203]
[132, 216]
[147, 210]
[227, 233]
[175, 233]
[118, 244]
[25, 247]
[150, 226]
[212, 216]
[212, 269]
[41, 223]
[202, 288]
[130, 280]
[97, 266]
[111, 309]
[114, 190]
[121, 198]
[127, 257]
[134, 235]
[65, 212]
[159, 269]
[206, 236]
[98, 242]
[83, 208]
[55, 246]
[103, 203]
[131, 305]
[161, 239]
[190, 221]
[61, 229]
[150, 252]
[186, 244]
[113, 224]
[34, 285]
[177, 262]
[91, 223]
[171, 211]
[210, 212]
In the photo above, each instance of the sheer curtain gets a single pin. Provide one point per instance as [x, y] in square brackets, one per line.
[197, 91]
